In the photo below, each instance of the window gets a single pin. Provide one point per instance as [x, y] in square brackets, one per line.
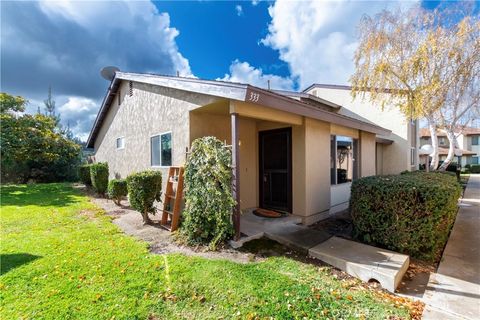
[474, 140]
[474, 160]
[343, 167]
[161, 150]
[412, 156]
[441, 141]
[120, 143]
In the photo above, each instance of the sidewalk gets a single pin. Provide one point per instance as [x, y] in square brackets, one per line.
[454, 291]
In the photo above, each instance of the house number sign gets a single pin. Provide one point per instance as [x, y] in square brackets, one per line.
[254, 97]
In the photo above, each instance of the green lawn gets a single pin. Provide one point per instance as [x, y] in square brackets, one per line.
[60, 261]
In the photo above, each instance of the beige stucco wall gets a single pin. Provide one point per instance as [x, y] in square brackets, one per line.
[367, 154]
[218, 125]
[149, 111]
[396, 157]
[317, 168]
[379, 159]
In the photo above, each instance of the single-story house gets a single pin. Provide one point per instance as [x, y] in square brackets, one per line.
[294, 152]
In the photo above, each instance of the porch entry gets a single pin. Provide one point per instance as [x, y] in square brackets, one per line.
[275, 169]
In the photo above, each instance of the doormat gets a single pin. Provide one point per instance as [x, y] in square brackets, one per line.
[267, 213]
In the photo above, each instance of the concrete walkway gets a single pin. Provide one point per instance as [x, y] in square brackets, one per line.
[454, 291]
[285, 230]
[357, 259]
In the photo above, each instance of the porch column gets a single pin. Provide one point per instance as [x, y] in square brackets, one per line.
[236, 174]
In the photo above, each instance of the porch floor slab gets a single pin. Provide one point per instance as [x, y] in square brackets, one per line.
[285, 230]
[296, 236]
[363, 261]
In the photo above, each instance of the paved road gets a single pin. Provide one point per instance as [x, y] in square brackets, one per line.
[454, 291]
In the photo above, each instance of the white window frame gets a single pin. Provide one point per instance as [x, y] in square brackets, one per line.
[150, 141]
[116, 143]
[356, 168]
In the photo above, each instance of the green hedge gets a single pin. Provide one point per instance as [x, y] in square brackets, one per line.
[144, 188]
[411, 213]
[99, 176]
[84, 174]
[475, 168]
[117, 189]
[207, 218]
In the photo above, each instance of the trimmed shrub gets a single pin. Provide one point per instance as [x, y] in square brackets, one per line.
[99, 176]
[84, 173]
[144, 188]
[117, 189]
[207, 218]
[411, 213]
[475, 168]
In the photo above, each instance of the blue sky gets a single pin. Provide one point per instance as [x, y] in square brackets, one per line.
[213, 34]
[64, 44]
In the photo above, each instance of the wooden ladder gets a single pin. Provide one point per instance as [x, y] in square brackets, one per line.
[172, 203]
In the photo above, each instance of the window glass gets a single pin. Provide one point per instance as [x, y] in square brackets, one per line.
[161, 150]
[475, 140]
[474, 160]
[155, 150]
[166, 149]
[120, 143]
[343, 167]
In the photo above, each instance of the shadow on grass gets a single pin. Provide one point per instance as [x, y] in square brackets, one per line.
[14, 260]
[48, 194]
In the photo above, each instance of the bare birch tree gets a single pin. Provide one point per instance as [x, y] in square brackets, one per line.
[403, 60]
[462, 99]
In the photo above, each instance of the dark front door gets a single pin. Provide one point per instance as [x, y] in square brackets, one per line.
[276, 169]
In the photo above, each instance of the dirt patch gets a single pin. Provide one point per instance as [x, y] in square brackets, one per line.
[88, 213]
[160, 240]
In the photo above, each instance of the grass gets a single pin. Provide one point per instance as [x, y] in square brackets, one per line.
[61, 258]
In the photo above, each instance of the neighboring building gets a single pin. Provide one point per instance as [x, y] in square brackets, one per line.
[297, 152]
[468, 140]
[395, 152]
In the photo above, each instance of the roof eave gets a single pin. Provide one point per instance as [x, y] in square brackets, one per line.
[291, 105]
[106, 100]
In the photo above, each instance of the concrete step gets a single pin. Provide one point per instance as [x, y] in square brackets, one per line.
[363, 261]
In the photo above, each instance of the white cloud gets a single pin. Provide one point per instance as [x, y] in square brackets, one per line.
[255, 2]
[243, 72]
[317, 38]
[239, 10]
[64, 44]
[79, 113]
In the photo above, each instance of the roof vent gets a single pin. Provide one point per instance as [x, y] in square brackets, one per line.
[130, 88]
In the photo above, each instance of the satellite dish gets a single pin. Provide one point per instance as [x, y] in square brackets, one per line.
[108, 73]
